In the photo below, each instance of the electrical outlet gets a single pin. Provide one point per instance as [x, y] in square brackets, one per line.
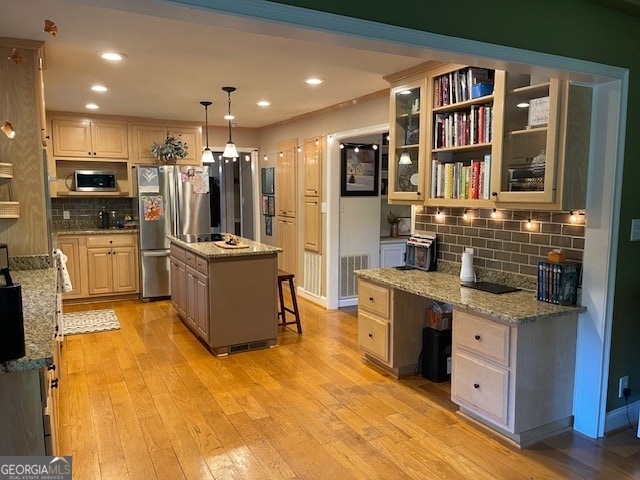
[623, 383]
[66, 215]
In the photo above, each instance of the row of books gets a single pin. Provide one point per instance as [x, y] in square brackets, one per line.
[459, 180]
[454, 87]
[468, 127]
[558, 282]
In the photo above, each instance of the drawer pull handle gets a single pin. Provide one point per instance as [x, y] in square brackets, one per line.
[476, 385]
[54, 383]
[371, 335]
[371, 299]
[477, 337]
[52, 367]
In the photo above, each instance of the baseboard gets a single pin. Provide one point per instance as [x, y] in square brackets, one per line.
[302, 293]
[348, 302]
[617, 419]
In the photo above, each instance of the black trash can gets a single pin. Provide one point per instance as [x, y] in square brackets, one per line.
[12, 344]
[436, 352]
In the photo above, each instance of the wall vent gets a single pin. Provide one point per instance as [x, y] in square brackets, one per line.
[313, 273]
[348, 281]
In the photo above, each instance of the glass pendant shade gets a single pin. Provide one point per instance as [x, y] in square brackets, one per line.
[207, 155]
[405, 159]
[230, 150]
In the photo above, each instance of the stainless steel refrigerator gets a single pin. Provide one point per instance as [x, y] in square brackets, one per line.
[170, 200]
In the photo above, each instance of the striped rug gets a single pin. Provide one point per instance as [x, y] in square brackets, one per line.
[90, 321]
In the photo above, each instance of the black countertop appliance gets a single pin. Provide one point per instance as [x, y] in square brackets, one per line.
[12, 344]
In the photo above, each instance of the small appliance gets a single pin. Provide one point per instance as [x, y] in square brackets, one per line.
[467, 274]
[12, 344]
[95, 181]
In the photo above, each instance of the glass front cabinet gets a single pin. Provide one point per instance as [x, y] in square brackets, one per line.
[407, 142]
[530, 125]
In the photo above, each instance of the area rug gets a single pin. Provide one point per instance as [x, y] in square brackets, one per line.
[90, 321]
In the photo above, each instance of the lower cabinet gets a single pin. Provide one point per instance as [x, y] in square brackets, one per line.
[101, 265]
[516, 378]
[388, 320]
[392, 253]
[29, 413]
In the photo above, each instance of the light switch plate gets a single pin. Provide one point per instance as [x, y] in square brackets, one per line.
[635, 229]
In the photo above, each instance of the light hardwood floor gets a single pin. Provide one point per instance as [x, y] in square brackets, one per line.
[149, 401]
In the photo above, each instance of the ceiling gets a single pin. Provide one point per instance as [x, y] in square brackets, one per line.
[174, 63]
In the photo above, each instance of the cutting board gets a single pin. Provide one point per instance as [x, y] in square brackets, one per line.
[222, 244]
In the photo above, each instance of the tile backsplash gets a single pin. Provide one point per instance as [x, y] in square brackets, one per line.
[504, 241]
[84, 211]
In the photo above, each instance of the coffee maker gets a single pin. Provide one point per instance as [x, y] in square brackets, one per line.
[12, 344]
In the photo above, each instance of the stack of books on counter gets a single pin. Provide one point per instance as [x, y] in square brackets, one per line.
[558, 282]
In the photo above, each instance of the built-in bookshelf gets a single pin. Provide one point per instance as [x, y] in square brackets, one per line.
[461, 143]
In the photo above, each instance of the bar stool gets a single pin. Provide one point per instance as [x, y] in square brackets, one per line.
[288, 277]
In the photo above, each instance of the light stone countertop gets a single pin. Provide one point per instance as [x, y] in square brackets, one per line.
[96, 231]
[211, 250]
[38, 311]
[514, 307]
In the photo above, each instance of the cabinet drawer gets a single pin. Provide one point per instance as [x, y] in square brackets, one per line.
[121, 240]
[190, 258]
[373, 336]
[202, 265]
[374, 298]
[481, 385]
[482, 336]
[177, 252]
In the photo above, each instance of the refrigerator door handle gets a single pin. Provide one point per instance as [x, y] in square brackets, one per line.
[156, 253]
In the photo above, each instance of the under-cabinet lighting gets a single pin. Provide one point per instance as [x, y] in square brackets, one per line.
[494, 214]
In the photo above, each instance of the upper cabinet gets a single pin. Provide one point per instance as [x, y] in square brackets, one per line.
[312, 167]
[407, 141]
[530, 120]
[463, 102]
[144, 135]
[85, 138]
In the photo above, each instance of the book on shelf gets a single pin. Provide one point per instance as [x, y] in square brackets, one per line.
[538, 112]
[558, 282]
[461, 180]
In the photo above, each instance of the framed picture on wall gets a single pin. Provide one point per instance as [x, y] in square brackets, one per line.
[268, 225]
[265, 204]
[272, 205]
[268, 187]
[359, 171]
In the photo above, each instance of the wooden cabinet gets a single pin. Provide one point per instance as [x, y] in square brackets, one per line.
[312, 224]
[287, 240]
[312, 167]
[89, 138]
[392, 253]
[144, 135]
[407, 140]
[70, 246]
[287, 179]
[389, 326]
[503, 374]
[8, 207]
[178, 279]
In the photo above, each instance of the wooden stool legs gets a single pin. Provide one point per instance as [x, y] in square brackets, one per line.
[288, 277]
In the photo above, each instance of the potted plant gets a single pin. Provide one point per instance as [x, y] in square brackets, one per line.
[393, 220]
[170, 150]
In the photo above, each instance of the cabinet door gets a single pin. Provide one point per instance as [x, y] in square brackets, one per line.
[526, 172]
[70, 246]
[100, 269]
[72, 138]
[286, 179]
[143, 138]
[109, 140]
[312, 224]
[192, 138]
[373, 335]
[392, 254]
[312, 168]
[178, 286]
[407, 125]
[125, 278]
[202, 306]
[191, 297]
[287, 240]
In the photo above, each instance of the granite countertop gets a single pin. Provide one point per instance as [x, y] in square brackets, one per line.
[211, 250]
[96, 231]
[38, 311]
[514, 307]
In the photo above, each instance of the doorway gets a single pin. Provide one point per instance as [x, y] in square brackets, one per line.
[231, 185]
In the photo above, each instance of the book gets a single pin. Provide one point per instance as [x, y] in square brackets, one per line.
[487, 178]
[538, 112]
[558, 282]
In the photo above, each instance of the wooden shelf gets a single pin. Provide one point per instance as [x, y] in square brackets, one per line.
[93, 194]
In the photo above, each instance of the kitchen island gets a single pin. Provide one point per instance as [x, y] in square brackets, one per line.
[226, 294]
[512, 356]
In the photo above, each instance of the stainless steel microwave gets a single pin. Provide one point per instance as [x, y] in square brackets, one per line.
[95, 181]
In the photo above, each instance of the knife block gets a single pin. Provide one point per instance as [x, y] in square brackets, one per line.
[12, 344]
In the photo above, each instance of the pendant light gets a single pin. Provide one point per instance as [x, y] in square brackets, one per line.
[230, 150]
[207, 156]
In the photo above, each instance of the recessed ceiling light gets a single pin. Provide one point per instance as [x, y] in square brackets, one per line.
[99, 88]
[314, 81]
[91, 106]
[113, 56]
[263, 103]
[522, 105]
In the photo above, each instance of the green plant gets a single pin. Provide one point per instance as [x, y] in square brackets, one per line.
[170, 150]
